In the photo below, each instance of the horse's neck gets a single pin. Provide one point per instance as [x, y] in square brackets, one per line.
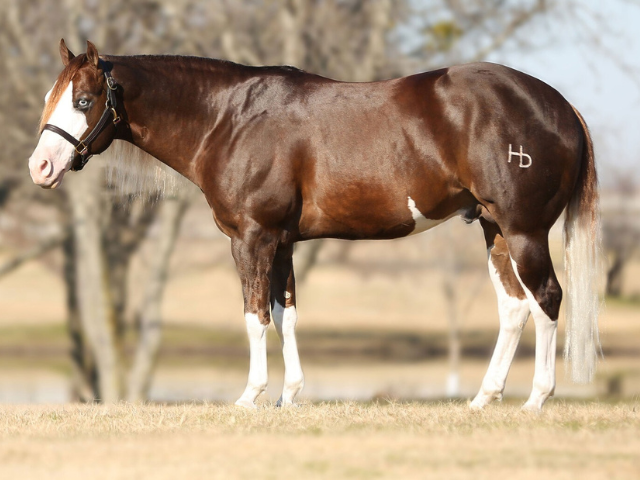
[172, 106]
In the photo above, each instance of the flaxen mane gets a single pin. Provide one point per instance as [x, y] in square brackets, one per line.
[132, 171]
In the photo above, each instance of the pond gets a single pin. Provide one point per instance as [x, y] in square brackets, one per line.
[425, 380]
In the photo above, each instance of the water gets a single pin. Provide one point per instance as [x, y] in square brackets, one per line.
[356, 381]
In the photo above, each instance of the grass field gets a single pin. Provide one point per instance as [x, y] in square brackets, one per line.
[372, 327]
[328, 440]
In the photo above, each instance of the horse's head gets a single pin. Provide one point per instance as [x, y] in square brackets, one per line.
[80, 106]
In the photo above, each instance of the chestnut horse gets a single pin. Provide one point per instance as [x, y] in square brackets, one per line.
[284, 156]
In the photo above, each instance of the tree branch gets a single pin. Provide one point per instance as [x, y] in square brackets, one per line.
[37, 251]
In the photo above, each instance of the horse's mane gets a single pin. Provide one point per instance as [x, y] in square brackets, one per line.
[131, 171]
[59, 87]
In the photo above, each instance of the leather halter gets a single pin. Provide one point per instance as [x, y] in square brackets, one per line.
[82, 146]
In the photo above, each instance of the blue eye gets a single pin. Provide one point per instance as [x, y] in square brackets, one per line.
[83, 103]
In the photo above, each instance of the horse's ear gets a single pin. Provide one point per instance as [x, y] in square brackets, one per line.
[65, 53]
[92, 54]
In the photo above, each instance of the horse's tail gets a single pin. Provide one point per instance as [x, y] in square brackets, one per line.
[583, 267]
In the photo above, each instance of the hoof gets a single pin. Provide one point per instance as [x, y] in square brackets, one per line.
[286, 403]
[536, 401]
[244, 403]
[532, 407]
[483, 399]
[477, 406]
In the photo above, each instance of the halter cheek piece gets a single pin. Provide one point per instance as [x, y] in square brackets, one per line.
[82, 146]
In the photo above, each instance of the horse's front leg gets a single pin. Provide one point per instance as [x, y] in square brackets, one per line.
[253, 251]
[285, 317]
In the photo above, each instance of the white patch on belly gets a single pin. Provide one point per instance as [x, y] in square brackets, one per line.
[422, 223]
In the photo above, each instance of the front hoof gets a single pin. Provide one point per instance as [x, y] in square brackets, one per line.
[484, 399]
[477, 406]
[532, 407]
[243, 402]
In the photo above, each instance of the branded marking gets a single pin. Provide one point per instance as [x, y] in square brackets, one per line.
[522, 156]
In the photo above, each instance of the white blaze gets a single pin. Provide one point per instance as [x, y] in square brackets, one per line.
[46, 97]
[51, 146]
[67, 118]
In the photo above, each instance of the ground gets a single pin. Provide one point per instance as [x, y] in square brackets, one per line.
[329, 440]
[373, 327]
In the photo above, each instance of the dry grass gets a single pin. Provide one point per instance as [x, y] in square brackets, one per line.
[336, 440]
[343, 440]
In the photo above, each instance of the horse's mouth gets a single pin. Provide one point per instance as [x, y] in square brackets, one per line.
[54, 183]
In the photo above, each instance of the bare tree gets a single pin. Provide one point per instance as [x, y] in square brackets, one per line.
[107, 232]
[149, 317]
[621, 228]
[355, 40]
[454, 31]
[96, 310]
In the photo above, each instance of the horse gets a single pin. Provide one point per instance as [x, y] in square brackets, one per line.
[284, 156]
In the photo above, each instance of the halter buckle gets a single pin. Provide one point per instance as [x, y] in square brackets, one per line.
[84, 150]
[116, 117]
[111, 83]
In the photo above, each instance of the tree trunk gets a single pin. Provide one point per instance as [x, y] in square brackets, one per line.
[379, 13]
[306, 257]
[292, 14]
[84, 375]
[37, 251]
[94, 305]
[451, 298]
[615, 277]
[150, 319]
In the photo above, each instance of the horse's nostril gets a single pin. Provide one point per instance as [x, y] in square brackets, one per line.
[45, 167]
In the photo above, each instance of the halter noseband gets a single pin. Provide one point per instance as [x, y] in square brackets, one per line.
[82, 146]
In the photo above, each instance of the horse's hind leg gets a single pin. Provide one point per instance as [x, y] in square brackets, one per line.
[532, 265]
[285, 317]
[513, 310]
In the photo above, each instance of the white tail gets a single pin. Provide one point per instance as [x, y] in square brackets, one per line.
[583, 267]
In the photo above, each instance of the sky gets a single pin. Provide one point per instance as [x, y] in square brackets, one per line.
[583, 60]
